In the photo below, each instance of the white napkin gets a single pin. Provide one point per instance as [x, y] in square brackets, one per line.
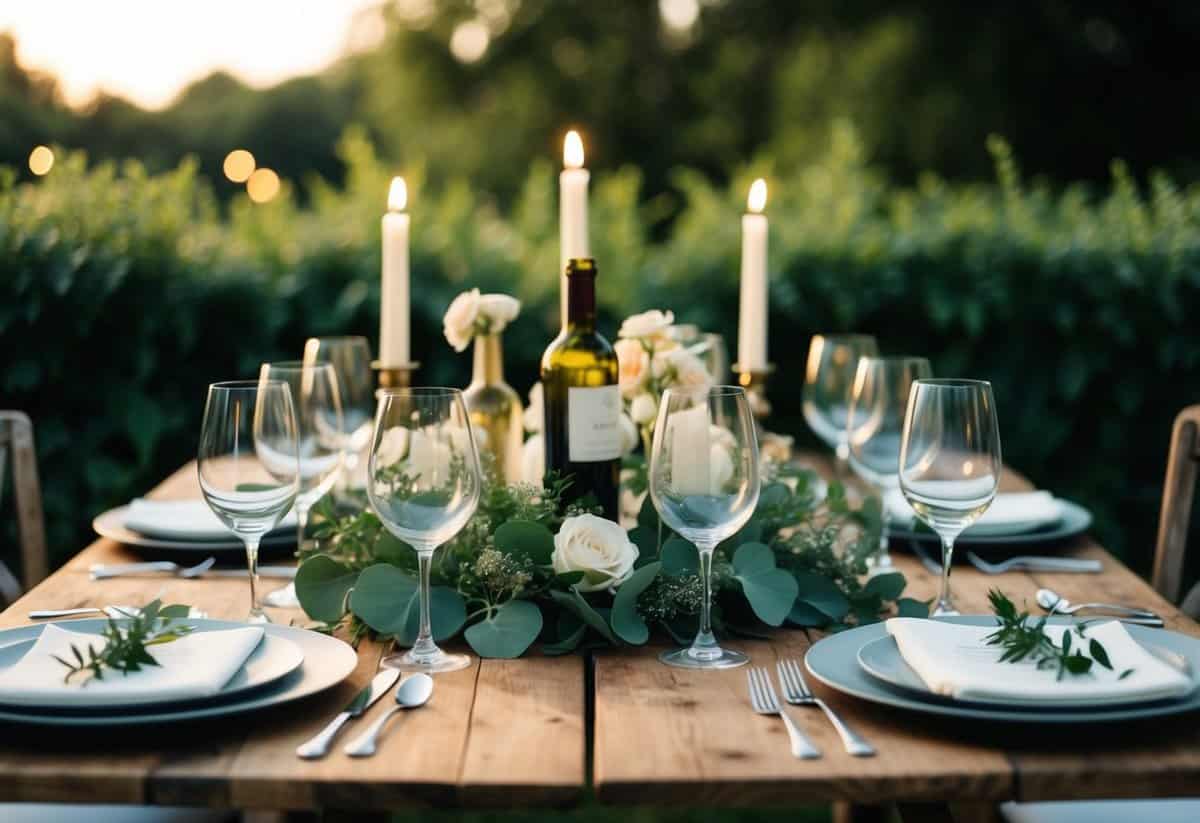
[183, 520]
[1010, 513]
[954, 660]
[196, 665]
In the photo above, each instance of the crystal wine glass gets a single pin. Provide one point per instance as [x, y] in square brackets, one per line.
[828, 383]
[248, 462]
[351, 361]
[423, 480]
[319, 427]
[950, 461]
[704, 482]
[875, 423]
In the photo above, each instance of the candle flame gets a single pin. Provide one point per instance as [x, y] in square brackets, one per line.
[758, 196]
[397, 195]
[573, 150]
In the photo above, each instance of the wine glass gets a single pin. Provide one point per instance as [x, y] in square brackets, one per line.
[875, 422]
[704, 481]
[423, 481]
[248, 462]
[351, 361]
[950, 461]
[828, 382]
[319, 426]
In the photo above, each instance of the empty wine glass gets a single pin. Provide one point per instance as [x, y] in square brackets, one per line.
[351, 361]
[875, 423]
[248, 462]
[828, 382]
[423, 480]
[950, 461]
[319, 426]
[704, 481]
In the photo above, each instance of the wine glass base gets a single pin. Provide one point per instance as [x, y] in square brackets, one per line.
[283, 598]
[437, 665]
[944, 611]
[258, 616]
[717, 659]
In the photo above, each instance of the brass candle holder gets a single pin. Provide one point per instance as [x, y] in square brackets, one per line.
[397, 376]
[772, 445]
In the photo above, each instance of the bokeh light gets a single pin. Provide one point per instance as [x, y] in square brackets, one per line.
[41, 160]
[239, 165]
[263, 185]
[469, 41]
[680, 15]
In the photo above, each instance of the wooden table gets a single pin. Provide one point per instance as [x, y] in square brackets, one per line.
[516, 733]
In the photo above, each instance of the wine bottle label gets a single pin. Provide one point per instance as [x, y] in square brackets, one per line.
[593, 424]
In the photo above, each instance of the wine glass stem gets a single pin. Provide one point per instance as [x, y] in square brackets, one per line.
[301, 525]
[705, 645]
[256, 609]
[424, 647]
[882, 561]
[841, 460]
[945, 604]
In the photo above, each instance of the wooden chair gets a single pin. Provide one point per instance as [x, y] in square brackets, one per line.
[1179, 489]
[16, 438]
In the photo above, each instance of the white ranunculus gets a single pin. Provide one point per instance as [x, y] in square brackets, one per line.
[460, 319]
[629, 435]
[597, 547]
[393, 446]
[651, 323]
[643, 409]
[533, 460]
[535, 411]
[634, 363]
[498, 310]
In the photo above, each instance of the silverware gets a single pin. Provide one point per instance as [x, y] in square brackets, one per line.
[764, 701]
[101, 571]
[115, 612]
[1029, 563]
[796, 692]
[318, 746]
[1055, 603]
[931, 565]
[415, 691]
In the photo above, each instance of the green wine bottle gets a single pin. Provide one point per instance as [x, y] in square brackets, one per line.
[582, 401]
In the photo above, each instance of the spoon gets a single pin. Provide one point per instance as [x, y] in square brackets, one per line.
[1055, 603]
[115, 612]
[413, 692]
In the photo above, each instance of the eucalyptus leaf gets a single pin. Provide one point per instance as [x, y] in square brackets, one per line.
[771, 591]
[321, 587]
[805, 616]
[911, 607]
[887, 586]
[679, 557]
[570, 630]
[774, 494]
[526, 538]
[386, 599]
[647, 542]
[648, 515]
[575, 603]
[508, 631]
[626, 622]
[822, 594]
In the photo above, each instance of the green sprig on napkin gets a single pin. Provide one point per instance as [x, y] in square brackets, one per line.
[126, 643]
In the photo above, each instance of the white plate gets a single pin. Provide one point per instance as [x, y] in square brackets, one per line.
[111, 524]
[327, 662]
[273, 658]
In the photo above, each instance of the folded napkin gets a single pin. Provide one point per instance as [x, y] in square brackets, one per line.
[1010, 513]
[955, 660]
[196, 665]
[182, 520]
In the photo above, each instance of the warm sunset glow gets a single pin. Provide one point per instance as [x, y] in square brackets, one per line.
[757, 200]
[397, 195]
[239, 165]
[263, 185]
[573, 150]
[41, 160]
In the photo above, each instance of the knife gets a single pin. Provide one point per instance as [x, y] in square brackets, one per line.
[377, 688]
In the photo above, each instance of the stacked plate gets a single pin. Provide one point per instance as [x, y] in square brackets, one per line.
[1011, 520]
[183, 526]
[866, 663]
[288, 664]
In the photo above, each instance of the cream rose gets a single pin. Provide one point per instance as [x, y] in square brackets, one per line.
[643, 409]
[535, 410]
[653, 323]
[629, 435]
[533, 460]
[460, 319]
[633, 361]
[498, 310]
[597, 547]
[393, 446]
[681, 368]
[720, 467]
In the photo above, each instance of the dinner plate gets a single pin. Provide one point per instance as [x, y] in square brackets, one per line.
[881, 659]
[833, 660]
[111, 524]
[327, 662]
[273, 658]
[1075, 520]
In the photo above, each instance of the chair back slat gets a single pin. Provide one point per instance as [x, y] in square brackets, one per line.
[16, 441]
[1175, 514]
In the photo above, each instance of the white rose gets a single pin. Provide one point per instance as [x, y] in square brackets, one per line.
[459, 322]
[393, 445]
[682, 368]
[720, 467]
[597, 547]
[535, 410]
[633, 362]
[721, 436]
[499, 310]
[643, 409]
[533, 460]
[629, 435]
[651, 323]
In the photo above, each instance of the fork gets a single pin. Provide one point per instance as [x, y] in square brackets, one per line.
[796, 692]
[102, 572]
[764, 701]
[1035, 564]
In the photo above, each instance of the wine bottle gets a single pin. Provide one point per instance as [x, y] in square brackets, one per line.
[582, 401]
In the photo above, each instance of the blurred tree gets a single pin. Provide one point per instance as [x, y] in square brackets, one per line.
[31, 108]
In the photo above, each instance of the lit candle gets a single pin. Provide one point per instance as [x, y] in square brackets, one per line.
[572, 211]
[393, 307]
[752, 321]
